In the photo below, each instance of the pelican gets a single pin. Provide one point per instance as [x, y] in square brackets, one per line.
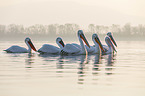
[51, 49]
[18, 49]
[110, 47]
[109, 34]
[111, 37]
[96, 48]
[90, 49]
[70, 49]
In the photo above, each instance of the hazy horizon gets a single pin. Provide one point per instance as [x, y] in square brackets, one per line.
[80, 12]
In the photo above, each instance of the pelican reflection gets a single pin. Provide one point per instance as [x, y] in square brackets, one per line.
[70, 62]
[29, 60]
[110, 64]
[81, 68]
[60, 63]
[97, 62]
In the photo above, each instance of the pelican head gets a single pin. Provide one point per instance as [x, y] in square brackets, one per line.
[112, 39]
[60, 42]
[109, 43]
[96, 39]
[82, 36]
[30, 44]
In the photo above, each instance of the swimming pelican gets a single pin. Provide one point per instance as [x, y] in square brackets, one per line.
[51, 49]
[112, 39]
[18, 49]
[110, 47]
[72, 49]
[109, 34]
[89, 49]
[96, 48]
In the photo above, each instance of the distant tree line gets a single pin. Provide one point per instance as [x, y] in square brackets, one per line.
[71, 29]
[127, 29]
[37, 29]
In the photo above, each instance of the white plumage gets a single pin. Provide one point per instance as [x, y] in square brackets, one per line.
[16, 49]
[71, 49]
[95, 48]
[50, 49]
[110, 47]
[76, 49]
[89, 50]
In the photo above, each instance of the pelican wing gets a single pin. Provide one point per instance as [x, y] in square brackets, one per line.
[71, 49]
[16, 49]
[105, 47]
[47, 48]
[77, 45]
[91, 49]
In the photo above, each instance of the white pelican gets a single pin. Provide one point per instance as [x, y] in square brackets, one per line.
[109, 34]
[89, 49]
[96, 48]
[110, 47]
[18, 49]
[112, 39]
[72, 49]
[51, 49]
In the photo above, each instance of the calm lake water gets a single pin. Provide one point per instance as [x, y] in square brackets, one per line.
[92, 75]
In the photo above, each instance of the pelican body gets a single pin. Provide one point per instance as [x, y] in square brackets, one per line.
[51, 49]
[71, 49]
[18, 49]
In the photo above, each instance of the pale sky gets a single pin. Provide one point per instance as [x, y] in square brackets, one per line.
[82, 12]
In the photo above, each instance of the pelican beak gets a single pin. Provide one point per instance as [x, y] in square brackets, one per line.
[112, 46]
[100, 44]
[31, 45]
[61, 42]
[112, 39]
[85, 40]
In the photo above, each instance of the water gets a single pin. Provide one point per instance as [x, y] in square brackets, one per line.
[36, 75]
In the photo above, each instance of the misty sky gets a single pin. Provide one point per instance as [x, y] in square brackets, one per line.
[82, 12]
